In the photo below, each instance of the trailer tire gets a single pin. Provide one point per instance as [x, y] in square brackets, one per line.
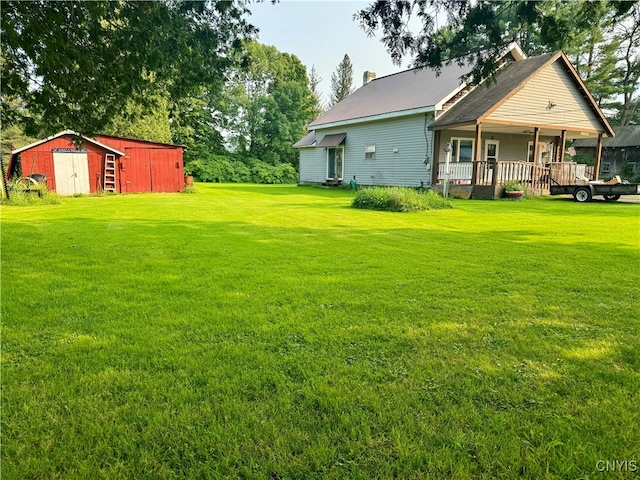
[582, 195]
[611, 198]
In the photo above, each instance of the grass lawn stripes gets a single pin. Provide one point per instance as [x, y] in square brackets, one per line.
[277, 332]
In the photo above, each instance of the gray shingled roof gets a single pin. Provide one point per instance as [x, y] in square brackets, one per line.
[480, 100]
[408, 90]
[628, 136]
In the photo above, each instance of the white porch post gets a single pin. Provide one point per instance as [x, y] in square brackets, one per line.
[445, 185]
[477, 155]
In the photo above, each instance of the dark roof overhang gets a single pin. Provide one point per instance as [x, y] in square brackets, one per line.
[332, 140]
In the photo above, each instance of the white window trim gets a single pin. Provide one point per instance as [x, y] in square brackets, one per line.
[455, 156]
[370, 150]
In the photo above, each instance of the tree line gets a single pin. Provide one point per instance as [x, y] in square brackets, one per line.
[194, 73]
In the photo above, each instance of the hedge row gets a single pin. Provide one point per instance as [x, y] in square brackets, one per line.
[219, 168]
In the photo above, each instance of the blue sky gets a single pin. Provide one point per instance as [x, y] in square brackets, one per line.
[320, 33]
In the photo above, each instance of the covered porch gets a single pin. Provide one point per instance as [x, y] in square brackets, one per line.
[517, 128]
[485, 155]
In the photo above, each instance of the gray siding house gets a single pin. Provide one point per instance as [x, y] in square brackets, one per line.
[393, 130]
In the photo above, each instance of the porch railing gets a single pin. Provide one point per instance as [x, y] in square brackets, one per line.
[457, 171]
[536, 177]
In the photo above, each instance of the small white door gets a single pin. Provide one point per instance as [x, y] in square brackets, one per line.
[491, 148]
[72, 173]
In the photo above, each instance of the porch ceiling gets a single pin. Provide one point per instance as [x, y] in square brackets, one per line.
[545, 131]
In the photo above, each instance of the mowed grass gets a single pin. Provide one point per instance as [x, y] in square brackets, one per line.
[275, 332]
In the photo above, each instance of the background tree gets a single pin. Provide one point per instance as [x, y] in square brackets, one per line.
[627, 33]
[479, 30]
[79, 64]
[150, 122]
[196, 122]
[341, 81]
[314, 82]
[267, 104]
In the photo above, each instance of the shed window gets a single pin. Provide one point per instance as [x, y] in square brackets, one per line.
[606, 167]
[370, 152]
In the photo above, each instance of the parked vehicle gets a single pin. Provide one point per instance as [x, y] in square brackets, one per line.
[584, 193]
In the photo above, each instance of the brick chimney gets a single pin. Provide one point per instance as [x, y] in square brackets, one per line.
[367, 77]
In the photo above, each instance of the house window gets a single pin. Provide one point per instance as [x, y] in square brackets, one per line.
[545, 152]
[370, 152]
[462, 149]
[335, 158]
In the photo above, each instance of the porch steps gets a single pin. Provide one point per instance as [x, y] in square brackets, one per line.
[332, 183]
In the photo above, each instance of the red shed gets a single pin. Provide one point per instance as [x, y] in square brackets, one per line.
[102, 163]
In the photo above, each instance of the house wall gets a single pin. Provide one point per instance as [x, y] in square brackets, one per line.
[313, 168]
[549, 98]
[147, 166]
[39, 159]
[401, 147]
[512, 148]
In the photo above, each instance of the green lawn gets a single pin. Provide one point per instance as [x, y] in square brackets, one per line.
[275, 332]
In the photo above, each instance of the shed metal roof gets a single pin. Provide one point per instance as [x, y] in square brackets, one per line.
[628, 136]
[117, 137]
[68, 132]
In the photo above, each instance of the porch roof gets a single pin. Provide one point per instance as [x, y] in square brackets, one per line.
[484, 99]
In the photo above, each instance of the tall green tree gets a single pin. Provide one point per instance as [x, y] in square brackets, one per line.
[314, 82]
[146, 122]
[196, 122]
[477, 30]
[267, 104]
[341, 81]
[78, 64]
[627, 33]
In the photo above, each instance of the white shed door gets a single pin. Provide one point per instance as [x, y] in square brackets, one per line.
[72, 173]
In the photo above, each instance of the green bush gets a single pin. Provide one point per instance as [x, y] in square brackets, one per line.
[582, 158]
[626, 171]
[22, 192]
[219, 168]
[399, 199]
[190, 189]
[513, 186]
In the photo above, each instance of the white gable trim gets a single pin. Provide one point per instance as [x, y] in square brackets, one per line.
[68, 132]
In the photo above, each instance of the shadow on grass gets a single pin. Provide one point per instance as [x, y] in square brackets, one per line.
[194, 344]
[288, 189]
